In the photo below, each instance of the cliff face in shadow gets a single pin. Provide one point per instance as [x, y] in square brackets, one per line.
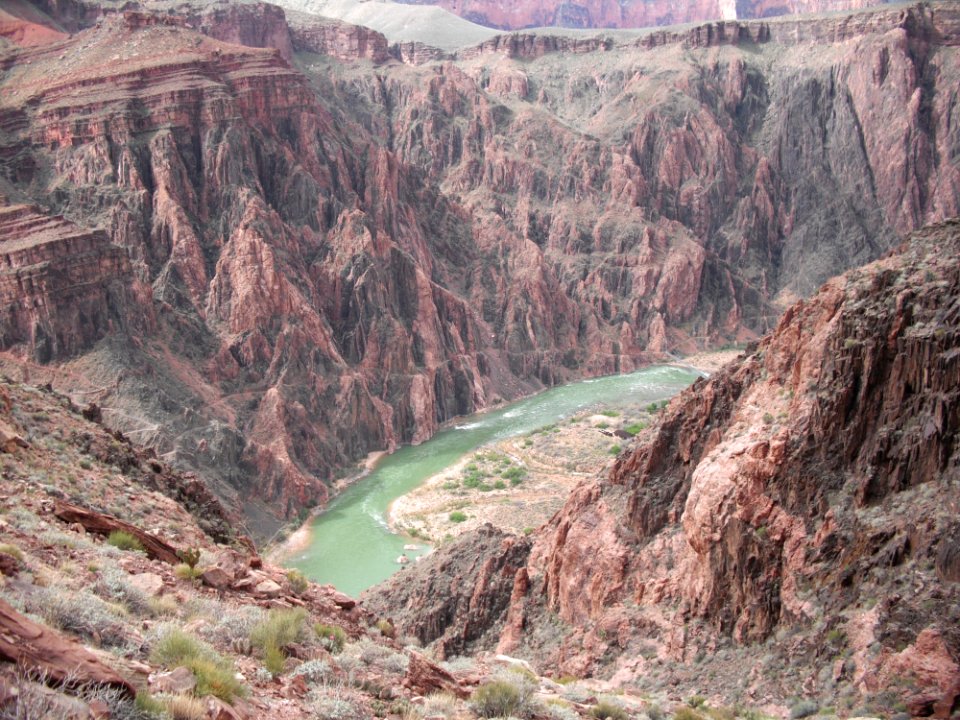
[270, 258]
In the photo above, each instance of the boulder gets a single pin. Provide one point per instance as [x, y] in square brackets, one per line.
[179, 681]
[268, 589]
[216, 577]
[148, 583]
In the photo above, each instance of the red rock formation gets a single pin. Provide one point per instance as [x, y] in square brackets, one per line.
[629, 13]
[805, 487]
[296, 270]
[95, 522]
[60, 659]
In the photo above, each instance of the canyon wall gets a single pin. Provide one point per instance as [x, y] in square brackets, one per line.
[297, 250]
[629, 13]
[787, 529]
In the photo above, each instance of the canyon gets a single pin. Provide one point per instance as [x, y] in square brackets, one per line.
[631, 13]
[267, 246]
[786, 530]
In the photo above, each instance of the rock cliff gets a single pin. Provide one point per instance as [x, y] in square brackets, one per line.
[629, 13]
[797, 510]
[271, 258]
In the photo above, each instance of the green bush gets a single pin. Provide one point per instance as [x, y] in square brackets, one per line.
[332, 637]
[802, 709]
[386, 628]
[497, 699]
[174, 647]
[215, 678]
[687, 713]
[615, 450]
[606, 710]
[635, 428]
[272, 635]
[13, 551]
[298, 582]
[189, 556]
[214, 674]
[457, 517]
[122, 540]
[187, 572]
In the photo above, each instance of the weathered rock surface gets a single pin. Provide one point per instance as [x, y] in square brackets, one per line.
[42, 650]
[267, 271]
[101, 524]
[810, 487]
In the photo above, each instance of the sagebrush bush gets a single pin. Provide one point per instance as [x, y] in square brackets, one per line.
[183, 707]
[114, 584]
[336, 704]
[298, 582]
[81, 613]
[122, 540]
[503, 698]
[607, 710]
[312, 671]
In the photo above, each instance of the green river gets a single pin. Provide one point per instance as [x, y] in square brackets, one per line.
[351, 546]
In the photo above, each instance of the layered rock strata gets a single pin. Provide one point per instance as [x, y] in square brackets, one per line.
[300, 264]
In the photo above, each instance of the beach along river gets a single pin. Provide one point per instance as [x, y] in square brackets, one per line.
[351, 545]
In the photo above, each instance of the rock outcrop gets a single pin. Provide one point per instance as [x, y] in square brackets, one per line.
[266, 271]
[812, 484]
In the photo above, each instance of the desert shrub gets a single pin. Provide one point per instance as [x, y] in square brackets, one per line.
[386, 628]
[187, 572]
[457, 516]
[183, 707]
[122, 540]
[13, 551]
[81, 613]
[635, 428]
[114, 584]
[440, 703]
[189, 556]
[234, 624]
[332, 637]
[273, 660]
[396, 663]
[281, 627]
[607, 710]
[312, 671]
[687, 713]
[336, 704]
[298, 582]
[216, 678]
[173, 648]
[615, 450]
[163, 606]
[696, 701]
[558, 710]
[802, 709]
[509, 695]
[149, 707]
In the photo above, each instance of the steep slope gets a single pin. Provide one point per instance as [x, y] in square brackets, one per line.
[285, 267]
[796, 511]
[629, 13]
